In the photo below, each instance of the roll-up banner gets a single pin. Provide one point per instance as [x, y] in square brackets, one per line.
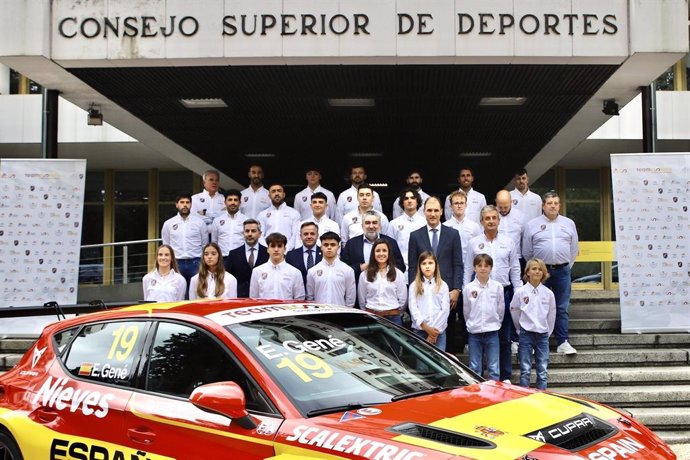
[651, 194]
[40, 235]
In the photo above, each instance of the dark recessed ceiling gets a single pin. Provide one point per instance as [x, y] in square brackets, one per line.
[424, 117]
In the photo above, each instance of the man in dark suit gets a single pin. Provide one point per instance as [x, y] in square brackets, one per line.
[239, 261]
[445, 243]
[307, 255]
[357, 250]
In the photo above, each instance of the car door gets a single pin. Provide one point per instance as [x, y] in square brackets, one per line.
[82, 401]
[160, 419]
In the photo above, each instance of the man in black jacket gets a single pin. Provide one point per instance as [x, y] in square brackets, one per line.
[242, 260]
[308, 254]
[357, 250]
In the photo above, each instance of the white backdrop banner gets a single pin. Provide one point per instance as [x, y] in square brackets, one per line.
[651, 195]
[40, 230]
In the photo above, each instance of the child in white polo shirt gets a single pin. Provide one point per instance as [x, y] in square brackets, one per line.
[484, 308]
[533, 310]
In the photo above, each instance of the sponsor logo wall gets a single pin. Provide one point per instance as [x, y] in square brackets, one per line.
[651, 195]
[40, 233]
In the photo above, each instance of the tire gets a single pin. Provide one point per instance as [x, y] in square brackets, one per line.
[9, 450]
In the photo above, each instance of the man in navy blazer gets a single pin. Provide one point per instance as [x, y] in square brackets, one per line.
[237, 260]
[298, 257]
[449, 255]
[353, 252]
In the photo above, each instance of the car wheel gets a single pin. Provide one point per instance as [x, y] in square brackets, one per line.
[9, 450]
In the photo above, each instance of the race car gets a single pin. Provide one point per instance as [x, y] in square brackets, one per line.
[250, 379]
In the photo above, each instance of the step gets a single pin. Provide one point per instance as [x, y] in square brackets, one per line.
[585, 311]
[8, 360]
[637, 396]
[562, 377]
[615, 357]
[607, 340]
[679, 441]
[665, 418]
[623, 357]
[594, 325]
[16, 345]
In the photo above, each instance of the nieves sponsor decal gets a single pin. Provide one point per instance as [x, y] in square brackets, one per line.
[61, 396]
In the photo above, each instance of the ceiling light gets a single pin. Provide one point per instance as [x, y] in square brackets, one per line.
[378, 184]
[502, 101]
[475, 154]
[260, 155]
[208, 103]
[366, 155]
[354, 102]
[94, 117]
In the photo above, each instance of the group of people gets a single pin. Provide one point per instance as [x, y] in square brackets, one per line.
[495, 277]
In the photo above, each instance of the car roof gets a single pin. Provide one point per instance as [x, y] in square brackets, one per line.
[220, 311]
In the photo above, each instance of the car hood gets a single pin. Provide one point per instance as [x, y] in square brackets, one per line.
[484, 421]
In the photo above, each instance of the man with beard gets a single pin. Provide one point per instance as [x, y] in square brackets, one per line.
[186, 234]
[414, 181]
[347, 200]
[255, 197]
[512, 219]
[307, 253]
[475, 200]
[528, 202]
[243, 259]
[279, 217]
[227, 230]
[351, 224]
[357, 250]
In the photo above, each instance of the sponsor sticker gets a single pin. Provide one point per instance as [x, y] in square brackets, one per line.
[347, 416]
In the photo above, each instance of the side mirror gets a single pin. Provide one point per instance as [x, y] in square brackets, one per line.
[224, 398]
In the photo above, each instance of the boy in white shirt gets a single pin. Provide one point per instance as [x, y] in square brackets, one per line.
[331, 280]
[533, 310]
[276, 279]
[483, 307]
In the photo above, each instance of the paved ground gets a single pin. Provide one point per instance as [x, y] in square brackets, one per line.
[682, 451]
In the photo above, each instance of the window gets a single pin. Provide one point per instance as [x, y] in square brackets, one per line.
[105, 352]
[183, 358]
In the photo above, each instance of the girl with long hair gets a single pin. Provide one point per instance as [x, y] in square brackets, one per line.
[381, 289]
[212, 279]
[429, 301]
[164, 283]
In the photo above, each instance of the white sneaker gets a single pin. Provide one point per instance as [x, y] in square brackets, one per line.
[507, 381]
[566, 348]
[514, 348]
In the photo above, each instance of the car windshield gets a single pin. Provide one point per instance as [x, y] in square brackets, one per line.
[335, 362]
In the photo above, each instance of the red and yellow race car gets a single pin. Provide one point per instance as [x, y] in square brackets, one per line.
[247, 379]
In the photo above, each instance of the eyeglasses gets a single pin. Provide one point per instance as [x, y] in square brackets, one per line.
[459, 203]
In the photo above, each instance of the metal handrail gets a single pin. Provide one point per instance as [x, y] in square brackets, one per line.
[121, 243]
[125, 253]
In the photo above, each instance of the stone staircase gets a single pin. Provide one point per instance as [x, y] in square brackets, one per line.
[646, 374]
[12, 349]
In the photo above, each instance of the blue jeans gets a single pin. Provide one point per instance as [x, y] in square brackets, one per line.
[188, 268]
[505, 336]
[484, 344]
[440, 340]
[559, 283]
[540, 344]
[397, 319]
